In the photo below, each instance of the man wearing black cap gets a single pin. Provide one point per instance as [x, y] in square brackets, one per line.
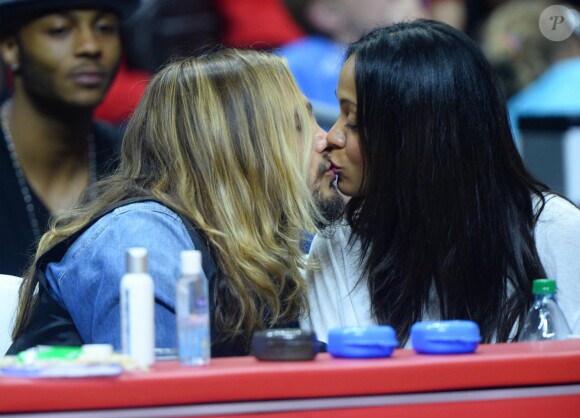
[63, 55]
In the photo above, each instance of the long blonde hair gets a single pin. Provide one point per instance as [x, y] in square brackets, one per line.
[224, 140]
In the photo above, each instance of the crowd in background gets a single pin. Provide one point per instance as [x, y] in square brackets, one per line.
[507, 30]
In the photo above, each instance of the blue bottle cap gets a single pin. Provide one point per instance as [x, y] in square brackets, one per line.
[362, 342]
[445, 337]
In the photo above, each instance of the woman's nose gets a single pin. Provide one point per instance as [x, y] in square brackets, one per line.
[335, 137]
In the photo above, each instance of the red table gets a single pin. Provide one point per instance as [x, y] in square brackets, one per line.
[514, 380]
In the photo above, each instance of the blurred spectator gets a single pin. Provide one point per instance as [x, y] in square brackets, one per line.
[259, 24]
[162, 29]
[176, 28]
[541, 76]
[62, 60]
[513, 43]
[477, 13]
[315, 60]
[158, 31]
[452, 12]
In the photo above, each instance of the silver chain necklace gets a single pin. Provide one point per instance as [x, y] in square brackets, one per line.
[24, 189]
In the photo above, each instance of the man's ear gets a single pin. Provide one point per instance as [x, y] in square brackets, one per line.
[10, 52]
[324, 17]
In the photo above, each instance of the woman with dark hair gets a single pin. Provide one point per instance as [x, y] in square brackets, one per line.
[444, 220]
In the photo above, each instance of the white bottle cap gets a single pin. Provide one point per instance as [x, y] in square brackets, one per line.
[191, 262]
[136, 260]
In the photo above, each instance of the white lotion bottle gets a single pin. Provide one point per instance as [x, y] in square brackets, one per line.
[192, 312]
[137, 309]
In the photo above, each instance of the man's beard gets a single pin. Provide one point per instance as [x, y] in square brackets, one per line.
[330, 203]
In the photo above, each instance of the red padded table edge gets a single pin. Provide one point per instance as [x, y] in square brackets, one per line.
[246, 379]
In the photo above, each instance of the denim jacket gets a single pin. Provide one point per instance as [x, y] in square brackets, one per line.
[86, 281]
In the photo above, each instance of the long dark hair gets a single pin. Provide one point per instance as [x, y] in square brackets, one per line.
[447, 201]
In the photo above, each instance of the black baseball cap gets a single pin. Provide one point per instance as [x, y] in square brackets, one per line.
[13, 11]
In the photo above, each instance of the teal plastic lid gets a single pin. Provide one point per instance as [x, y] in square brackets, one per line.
[544, 287]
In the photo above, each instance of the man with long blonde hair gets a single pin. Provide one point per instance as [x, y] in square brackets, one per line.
[222, 142]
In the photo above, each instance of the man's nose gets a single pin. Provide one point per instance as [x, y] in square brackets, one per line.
[320, 142]
[87, 42]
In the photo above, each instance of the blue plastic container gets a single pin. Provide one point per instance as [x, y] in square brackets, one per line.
[362, 342]
[445, 337]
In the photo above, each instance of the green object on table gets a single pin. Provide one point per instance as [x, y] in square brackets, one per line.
[49, 353]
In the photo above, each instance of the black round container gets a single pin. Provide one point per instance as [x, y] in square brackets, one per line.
[284, 344]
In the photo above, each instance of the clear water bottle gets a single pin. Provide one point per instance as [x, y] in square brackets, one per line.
[192, 311]
[545, 320]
